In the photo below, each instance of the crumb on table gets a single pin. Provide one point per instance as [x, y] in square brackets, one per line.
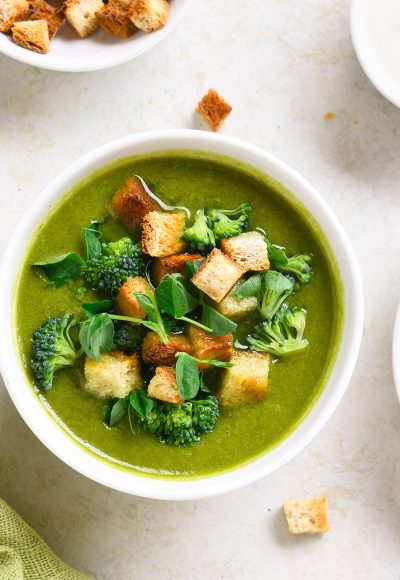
[329, 116]
[214, 109]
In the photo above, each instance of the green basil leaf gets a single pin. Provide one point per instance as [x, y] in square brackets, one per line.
[92, 239]
[173, 297]
[118, 411]
[251, 287]
[141, 402]
[187, 376]
[97, 335]
[62, 268]
[220, 324]
[92, 308]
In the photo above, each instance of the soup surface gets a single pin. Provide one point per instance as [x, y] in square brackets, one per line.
[194, 180]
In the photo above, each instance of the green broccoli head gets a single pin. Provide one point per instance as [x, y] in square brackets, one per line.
[283, 335]
[53, 349]
[128, 338]
[118, 261]
[298, 265]
[274, 290]
[229, 222]
[199, 236]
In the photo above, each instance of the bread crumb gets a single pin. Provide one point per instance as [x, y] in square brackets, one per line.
[307, 516]
[329, 116]
[214, 109]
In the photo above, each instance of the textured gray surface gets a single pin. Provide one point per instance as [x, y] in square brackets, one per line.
[282, 65]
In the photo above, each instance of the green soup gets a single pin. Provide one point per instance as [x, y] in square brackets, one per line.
[194, 180]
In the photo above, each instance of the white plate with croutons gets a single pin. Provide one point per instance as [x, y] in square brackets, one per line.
[84, 35]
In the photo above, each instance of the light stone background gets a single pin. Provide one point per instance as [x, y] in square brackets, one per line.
[282, 64]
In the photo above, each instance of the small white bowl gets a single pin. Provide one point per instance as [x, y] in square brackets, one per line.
[396, 352]
[69, 53]
[57, 440]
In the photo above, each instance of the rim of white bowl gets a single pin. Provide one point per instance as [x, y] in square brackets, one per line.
[396, 352]
[130, 48]
[59, 442]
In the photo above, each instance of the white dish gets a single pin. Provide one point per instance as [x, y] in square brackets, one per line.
[396, 352]
[70, 53]
[58, 441]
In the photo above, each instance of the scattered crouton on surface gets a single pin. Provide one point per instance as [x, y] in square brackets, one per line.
[208, 346]
[236, 308]
[42, 10]
[114, 18]
[175, 264]
[126, 301]
[162, 233]
[114, 375]
[149, 15]
[217, 275]
[248, 249]
[81, 15]
[132, 202]
[32, 34]
[163, 386]
[247, 380]
[307, 516]
[11, 11]
[156, 352]
[214, 109]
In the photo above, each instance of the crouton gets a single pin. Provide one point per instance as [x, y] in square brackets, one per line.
[126, 302]
[307, 516]
[156, 352]
[249, 250]
[114, 375]
[208, 346]
[33, 35]
[81, 15]
[44, 11]
[162, 233]
[175, 264]
[217, 275]
[114, 18]
[132, 202]
[163, 386]
[214, 109]
[11, 11]
[247, 380]
[149, 15]
[236, 308]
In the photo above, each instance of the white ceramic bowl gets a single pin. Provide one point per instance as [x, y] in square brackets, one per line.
[99, 51]
[396, 352]
[74, 455]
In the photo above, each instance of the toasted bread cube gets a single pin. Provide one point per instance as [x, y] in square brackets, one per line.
[207, 346]
[247, 380]
[163, 386]
[175, 264]
[132, 202]
[149, 15]
[114, 18]
[114, 375]
[44, 11]
[32, 34]
[217, 275]
[249, 250]
[11, 11]
[214, 109]
[162, 233]
[236, 308]
[156, 352]
[81, 15]
[307, 516]
[126, 301]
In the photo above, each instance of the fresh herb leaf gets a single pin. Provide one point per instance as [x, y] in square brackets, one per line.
[187, 376]
[92, 308]
[173, 297]
[251, 287]
[118, 411]
[203, 386]
[191, 267]
[155, 321]
[97, 335]
[277, 254]
[220, 324]
[62, 268]
[92, 239]
[141, 402]
[107, 411]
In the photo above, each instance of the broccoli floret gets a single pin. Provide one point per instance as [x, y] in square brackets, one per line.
[181, 425]
[128, 338]
[229, 222]
[274, 290]
[53, 349]
[199, 236]
[298, 265]
[119, 260]
[282, 335]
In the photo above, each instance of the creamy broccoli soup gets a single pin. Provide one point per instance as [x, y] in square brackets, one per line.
[140, 323]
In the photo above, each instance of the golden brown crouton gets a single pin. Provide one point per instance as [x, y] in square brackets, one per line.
[11, 11]
[307, 516]
[162, 233]
[217, 275]
[175, 264]
[247, 380]
[249, 250]
[126, 302]
[163, 386]
[81, 14]
[132, 202]
[44, 11]
[214, 109]
[114, 375]
[236, 308]
[207, 346]
[114, 18]
[149, 15]
[32, 34]
[156, 352]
